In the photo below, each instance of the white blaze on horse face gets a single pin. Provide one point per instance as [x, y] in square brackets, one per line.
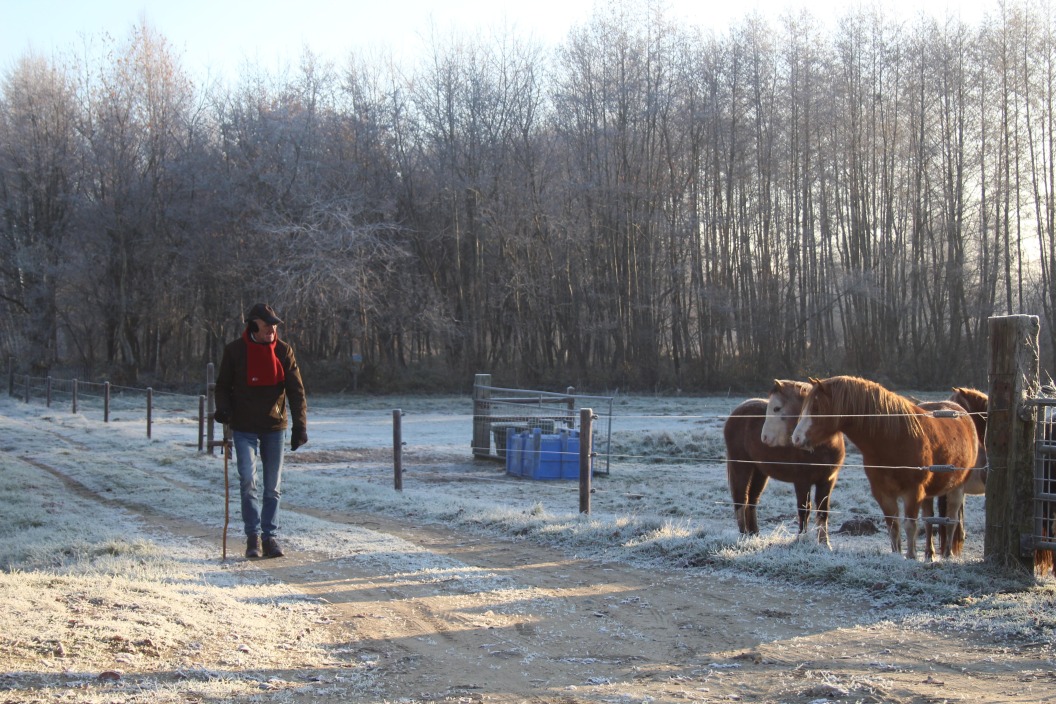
[775, 428]
[802, 431]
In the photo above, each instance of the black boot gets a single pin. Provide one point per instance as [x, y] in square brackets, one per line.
[271, 548]
[253, 546]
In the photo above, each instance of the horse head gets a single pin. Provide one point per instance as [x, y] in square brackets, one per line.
[782, 411]
[815, 423]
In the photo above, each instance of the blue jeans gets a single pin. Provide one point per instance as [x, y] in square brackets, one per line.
[259, 518]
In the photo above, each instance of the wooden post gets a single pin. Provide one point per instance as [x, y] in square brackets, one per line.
[210, 391]
[10, 375]
[201, 423]
[397, 449]
[571, 404]
[481, 416]
[1010, 423]
[586, 450]
[150, 409]
[74, 394]
[106, 401]
[48, 392]
[27, 388]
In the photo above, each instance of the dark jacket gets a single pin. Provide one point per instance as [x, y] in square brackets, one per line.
[260, 409]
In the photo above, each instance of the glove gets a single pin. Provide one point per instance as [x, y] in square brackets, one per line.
[222, 416]
[298, 437]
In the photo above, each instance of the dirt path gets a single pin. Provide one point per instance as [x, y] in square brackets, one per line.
[579, 631]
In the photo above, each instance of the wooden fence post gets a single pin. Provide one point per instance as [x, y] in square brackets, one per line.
[586, 450]
[201, 423]
[150, 410]
[1010, 425]
[106, 401]
[74, 395]
[397, 449]
[210, 392]
[481, 416]
[48, 392]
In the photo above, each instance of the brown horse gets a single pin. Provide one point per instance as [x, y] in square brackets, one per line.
[898, 440]
[757, 451]
[975, 402]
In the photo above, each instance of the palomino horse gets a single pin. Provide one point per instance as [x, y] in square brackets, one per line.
[898, 440]
[750, 463]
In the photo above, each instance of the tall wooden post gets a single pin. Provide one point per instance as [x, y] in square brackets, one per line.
[201, 423]
[210, 404]
[397, 449]
[570, 403]
[1010, 441]
[586, 452]
[481, 416]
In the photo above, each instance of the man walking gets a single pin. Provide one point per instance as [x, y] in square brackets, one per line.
[258, 377]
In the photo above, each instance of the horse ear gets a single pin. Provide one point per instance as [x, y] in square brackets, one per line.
[819, 386]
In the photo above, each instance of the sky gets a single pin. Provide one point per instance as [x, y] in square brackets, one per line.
[216, 37]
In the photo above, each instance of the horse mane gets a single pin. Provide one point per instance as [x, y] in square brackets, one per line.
[872, 407]
[974, 399]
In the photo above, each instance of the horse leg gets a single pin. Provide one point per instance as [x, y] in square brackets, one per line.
[803, 505]
[822, 496]
[959, 532]
[756, 483]
[927, 510]
[912, 513]
[738, 476]
[889, 507]
[954, 515]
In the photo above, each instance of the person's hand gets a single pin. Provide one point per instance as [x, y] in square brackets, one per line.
[223, 417]
[298, 437]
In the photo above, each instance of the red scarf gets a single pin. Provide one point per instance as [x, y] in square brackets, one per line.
[263, 368]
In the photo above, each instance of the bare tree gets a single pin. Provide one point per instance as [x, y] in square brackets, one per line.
[38, 156]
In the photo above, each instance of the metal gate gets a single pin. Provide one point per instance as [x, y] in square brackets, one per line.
[1045, 475]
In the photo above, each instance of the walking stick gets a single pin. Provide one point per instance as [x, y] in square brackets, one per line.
[227, 487]
[226, 444]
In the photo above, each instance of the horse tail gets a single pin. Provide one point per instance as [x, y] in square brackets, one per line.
[1043, 561]
[957, 541]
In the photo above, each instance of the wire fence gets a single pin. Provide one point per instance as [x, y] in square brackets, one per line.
[110, 402]
[502, 411]
[532, 410]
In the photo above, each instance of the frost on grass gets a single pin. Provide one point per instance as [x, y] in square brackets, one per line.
[115, 614]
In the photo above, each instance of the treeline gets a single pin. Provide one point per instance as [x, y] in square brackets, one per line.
[645, 206]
